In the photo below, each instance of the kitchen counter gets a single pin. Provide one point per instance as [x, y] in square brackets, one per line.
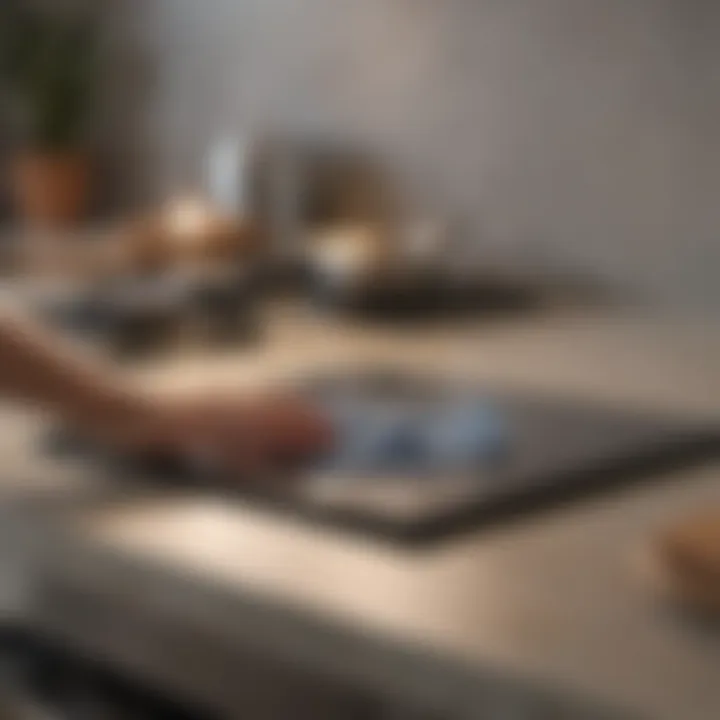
[552, 615]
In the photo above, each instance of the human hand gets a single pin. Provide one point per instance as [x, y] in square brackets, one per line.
[244, 436]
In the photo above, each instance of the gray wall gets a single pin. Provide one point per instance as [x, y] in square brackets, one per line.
[583, 131]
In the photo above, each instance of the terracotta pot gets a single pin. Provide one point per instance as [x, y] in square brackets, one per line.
[52, 189]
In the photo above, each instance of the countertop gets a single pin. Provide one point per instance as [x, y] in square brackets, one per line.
[556, 605]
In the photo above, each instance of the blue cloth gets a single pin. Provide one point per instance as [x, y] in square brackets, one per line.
[374, 437]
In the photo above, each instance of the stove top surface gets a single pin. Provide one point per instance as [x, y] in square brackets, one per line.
[419, 459]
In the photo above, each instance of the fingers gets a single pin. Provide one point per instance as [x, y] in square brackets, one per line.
[281, 422]
[247, 437]
[300, 429]
[280, 435]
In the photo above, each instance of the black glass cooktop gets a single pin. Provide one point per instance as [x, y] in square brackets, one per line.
[418, 459]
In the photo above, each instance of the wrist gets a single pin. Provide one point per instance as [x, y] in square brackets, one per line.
[115, 414]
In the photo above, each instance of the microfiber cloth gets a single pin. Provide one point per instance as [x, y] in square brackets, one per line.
[378, 437]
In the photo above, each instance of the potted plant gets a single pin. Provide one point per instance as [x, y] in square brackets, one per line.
[48, 66]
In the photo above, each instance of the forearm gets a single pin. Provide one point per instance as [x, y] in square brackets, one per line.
[38, 369]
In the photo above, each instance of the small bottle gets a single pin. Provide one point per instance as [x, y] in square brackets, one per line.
[228, 175]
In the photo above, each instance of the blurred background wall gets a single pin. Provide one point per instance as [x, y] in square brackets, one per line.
[583, 132]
